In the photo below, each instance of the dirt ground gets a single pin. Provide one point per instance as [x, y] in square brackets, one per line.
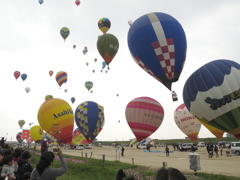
[180, 160]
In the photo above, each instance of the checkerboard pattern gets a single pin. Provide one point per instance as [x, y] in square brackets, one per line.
[165, 52]
[100, 121]
[82, 115]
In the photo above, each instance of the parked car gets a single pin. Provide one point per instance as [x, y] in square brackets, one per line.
[188, 147]
[88, 146]
[79, 147]
[235, 148]
[201, 144]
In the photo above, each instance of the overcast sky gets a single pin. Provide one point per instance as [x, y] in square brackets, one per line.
[31, 43]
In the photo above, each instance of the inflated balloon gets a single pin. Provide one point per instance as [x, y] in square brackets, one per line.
[85, 51]
[24, 77]
[101, 70]
[187, 122]
[158, 44]
[27, 89]
[216, 132]
[117, 95]
[95, 59]
[64, 33]
[144, 116]
[129, 22]
[48, 97]
[77, 2]
[106, 71]
[74, 46]
[16, 74]
[118, 121]
[29, 140]
[104, 64]
[89, 117]
[93, 71]
[65, 90]
[55, 116]
[21, 123]
[36, 132]
[212, 94]
[50, 73]
[40, 2]
[61, 77]
[85, 48]
[104, 25]
[91, 91]
[107, 46]
[19, 137]
[73, 99]
[88, 85]
[87, 64]
[78, 138]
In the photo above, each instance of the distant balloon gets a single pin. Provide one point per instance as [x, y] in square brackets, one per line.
[40, 2]
[104, 25]
[101, 70]
[88, 85]
[36, 132]
[85, 48]
[91, 91]
[87, 64]
[117, 95]
[74, 46]
[19, 137]
[61, 77]
[64, 33]
[50, 73]
[93, 71]
[27, 89]
[17, 74]
[24, 77]
[95, 59]
[104, 64]
[73, 99]
[29, 140]
[106, 71]
[187, 122]
[118, 121]
[48, 97]
[144, 116]
[65, 90]
[77, 2]
[85, 51]
[129, 22]
[21, 123]
[89, 117]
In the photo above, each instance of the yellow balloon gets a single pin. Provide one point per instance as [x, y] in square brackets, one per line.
[216, 132]
[48, 97]
[36, 132]
[21, 123]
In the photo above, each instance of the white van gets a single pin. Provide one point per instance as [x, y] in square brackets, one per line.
[142, 146]
[201, 144]
[79, 147]
[235, 148]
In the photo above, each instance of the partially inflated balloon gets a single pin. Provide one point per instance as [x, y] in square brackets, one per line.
[78, 138]
[36, 132]
[89, 117]
[50, 73]
[212, 94]
[56, 117]
[64, 33]
[186, 122]
[77, 2]
[104, 25]
[48, 97]
[73, 99]
[24, 77]
[27, 89]
[158, 44]
[216, 132]
[17, 74]
[21, 123]
[61, 77]
[144, 116]
[19, 137]
[88, 85]
[107, 46]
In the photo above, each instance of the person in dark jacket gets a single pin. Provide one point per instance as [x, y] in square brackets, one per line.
[23, 165]
[122, 150]
[120, 174]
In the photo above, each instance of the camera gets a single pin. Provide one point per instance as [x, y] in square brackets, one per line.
[55, 149]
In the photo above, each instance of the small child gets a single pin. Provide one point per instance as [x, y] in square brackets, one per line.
[9, 167]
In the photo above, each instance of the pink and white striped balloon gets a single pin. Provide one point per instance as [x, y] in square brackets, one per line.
[144, 116]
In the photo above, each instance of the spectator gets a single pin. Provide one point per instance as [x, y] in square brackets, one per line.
[43, 170]
[5, 148]
[216, 150]
[44, 146]
[170, 174]
[23, 165]
[17, 153]
[8, 152]
[221, 149]
[2, 141]
[1, 161]
[26, 176]
[122, 150]
[167, 150]
[120, 174]
[9, 167]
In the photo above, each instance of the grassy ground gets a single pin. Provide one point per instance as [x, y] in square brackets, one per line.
[91, 169]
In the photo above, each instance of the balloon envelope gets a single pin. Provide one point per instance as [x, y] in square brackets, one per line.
[74, 46]
[48, 97]
[186, 122]
[73, 99]
[78, 138]
[88, 85]
[104, 25]
[40, 2]
[56, 117]
[21, 123]
[19, 137]
[61, 77]
[216, 132]
[36, 132]
[16, 74]
[77, 2]
[24, 77]
[27, 89]
[144, 116]
[157, 43]
[64, 32]
[89, 117]
[50, 73]
[212, 94]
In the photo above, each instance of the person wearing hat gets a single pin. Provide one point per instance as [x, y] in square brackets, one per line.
[23, 165]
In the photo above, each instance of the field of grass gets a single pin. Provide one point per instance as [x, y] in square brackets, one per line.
[91, 169]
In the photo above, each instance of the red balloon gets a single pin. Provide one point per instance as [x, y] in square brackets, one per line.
[17, 74]
[77, 2]
[51, 73]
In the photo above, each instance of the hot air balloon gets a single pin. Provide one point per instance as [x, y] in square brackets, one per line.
[21, 123]
[104, 25]
[27, 89]
[129, 22]
[157, 43]
[40, 2]
[117, 95]
[87, 64]
[55, 116]
[144, 116]
[88, 85]
[107, 46]
[216, 132]
[61, 77]
[95, 59]
[104, 64]
[91, 91]
[187, 122]
[85, 48]
[36, 132]
[118, 121]
[93, 71]
[212, 94]
[64, 33]
[101, 70]
[78, 137]
[65, 90]
[48, 97]
[106, 71]
[85, 51]
[50, 73]
[74, 46]
[19, 137]
[89, 117]
[16, 74]
[77, 2]
[73, 99]
[29, 140]
[24, 77]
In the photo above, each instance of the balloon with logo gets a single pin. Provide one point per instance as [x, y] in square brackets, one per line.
[21, 123]
[78, 137]
[158, 44]
[89, 117]
[107, 46]
[48, 97]
[73, 99]
[64, 33]
[27, 89]
[212, 94]
[104, 25]
[187, 122]
[16, 74]
[144, 116]
[36, 132]
[24, 76]
[88, 85]
[55, 116]
[50, 73]
[19, 137]
[61, 77]
[216, 132]
[40, 2]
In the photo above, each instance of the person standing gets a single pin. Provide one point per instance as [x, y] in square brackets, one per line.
[44, 146]
[221, 149]
[167, 150]
[122, 150]
[216, 150]
[120, 174]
